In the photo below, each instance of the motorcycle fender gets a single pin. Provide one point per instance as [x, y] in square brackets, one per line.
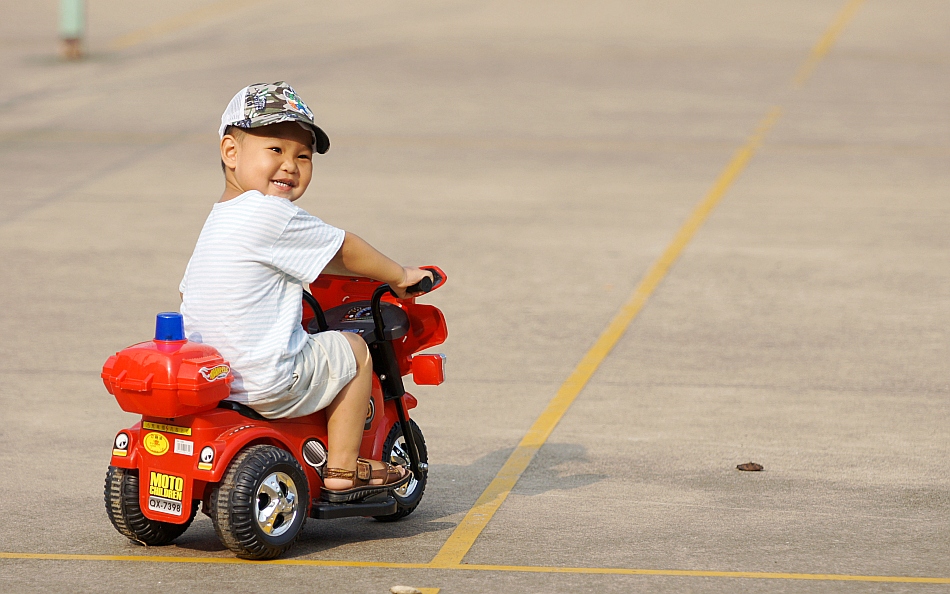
[228, 444]
[129, 462]
[390, 418]
[129, 457]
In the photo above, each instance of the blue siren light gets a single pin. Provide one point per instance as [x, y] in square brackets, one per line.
[169, 326]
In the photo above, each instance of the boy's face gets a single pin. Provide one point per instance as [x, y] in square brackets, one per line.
[274, 160]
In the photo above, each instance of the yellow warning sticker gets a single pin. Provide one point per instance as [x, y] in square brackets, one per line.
[166, 428]
[156, 443]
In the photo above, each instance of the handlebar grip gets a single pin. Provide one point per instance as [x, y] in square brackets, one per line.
[426, 284]
[423, 286]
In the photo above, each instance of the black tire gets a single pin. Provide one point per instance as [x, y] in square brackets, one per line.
[408, 496]
[122, 506]
[253, 475]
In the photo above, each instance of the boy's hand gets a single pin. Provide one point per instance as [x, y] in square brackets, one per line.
[410, 277]
[359, 258]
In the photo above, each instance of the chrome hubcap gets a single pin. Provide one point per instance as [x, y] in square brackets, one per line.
[400, 456]
[276, 504]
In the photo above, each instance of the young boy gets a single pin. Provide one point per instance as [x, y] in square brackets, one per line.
[242, 288]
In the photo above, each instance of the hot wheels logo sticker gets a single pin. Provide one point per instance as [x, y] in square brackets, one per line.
[215, 373]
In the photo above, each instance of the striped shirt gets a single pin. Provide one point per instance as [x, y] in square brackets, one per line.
[242, 287]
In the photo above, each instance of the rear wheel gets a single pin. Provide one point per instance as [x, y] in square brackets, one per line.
[122, 505]
[395, 451]
[259, 507]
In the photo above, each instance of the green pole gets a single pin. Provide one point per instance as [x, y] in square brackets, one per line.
[72, 25]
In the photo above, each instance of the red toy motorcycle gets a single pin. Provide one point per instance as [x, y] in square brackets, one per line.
[260, 479]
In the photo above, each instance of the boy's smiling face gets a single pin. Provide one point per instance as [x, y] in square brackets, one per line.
[274, 160]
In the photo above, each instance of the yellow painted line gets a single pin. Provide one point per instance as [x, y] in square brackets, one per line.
[179, 22]
[826, 42]
[706, 574]
[471, 526]
[465, 534]
[488, 568]
[209, 560]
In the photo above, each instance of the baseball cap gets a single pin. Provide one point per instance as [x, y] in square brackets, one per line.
[263, 104]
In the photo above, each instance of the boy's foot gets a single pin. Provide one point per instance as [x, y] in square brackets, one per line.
[370, 478]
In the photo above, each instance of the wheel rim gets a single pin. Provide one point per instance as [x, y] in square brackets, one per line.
[276, 504]
[400, 455]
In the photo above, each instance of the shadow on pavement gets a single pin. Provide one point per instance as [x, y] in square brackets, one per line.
[452, 489]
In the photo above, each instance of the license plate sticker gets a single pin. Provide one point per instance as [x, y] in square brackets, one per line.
[166, 506]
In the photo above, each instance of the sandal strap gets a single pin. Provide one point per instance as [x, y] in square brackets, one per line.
[382, 473]
[361, 476]
[340, 473]
[364, 472]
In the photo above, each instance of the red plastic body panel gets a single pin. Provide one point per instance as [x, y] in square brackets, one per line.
[176, 387]
[228, 432]
[389, 418]
[167, 379]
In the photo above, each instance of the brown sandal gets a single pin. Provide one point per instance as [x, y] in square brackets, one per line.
[391, 476]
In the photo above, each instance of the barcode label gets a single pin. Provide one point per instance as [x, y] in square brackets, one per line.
[183, 446]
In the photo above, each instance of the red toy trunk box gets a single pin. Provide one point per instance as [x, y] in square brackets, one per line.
[167, 378]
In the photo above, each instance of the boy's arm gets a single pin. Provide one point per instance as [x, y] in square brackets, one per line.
[358, 258]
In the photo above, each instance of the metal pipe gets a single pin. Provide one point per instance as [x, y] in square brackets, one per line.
[72, 27]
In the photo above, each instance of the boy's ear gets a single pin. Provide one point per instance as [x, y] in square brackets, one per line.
[229, 149]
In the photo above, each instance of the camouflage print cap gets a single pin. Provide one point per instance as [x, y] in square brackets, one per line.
[262, 104]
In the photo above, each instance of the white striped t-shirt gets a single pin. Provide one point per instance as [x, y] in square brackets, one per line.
[242, 287]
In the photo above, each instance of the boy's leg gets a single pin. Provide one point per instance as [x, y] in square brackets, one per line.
[346, 416]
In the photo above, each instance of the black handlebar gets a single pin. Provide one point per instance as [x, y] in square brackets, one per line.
[317, 311]
[426, 284]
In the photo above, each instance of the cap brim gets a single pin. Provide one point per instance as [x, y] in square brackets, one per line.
[321, 142]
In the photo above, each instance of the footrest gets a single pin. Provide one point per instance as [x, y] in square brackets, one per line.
[322, 510]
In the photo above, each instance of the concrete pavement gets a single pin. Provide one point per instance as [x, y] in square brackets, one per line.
[545, 155]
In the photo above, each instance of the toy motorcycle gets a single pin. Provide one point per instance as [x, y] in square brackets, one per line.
[260, 479]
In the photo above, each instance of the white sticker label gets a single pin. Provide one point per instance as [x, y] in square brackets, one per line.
[183, 446]
[166, 506]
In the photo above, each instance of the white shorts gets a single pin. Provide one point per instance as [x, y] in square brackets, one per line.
[323, 368]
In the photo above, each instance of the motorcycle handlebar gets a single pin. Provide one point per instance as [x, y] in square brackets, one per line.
[423, 286]
[426, 284]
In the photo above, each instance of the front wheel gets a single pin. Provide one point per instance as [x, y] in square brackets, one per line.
[122, 505]
[395, 451]
[259, 507]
